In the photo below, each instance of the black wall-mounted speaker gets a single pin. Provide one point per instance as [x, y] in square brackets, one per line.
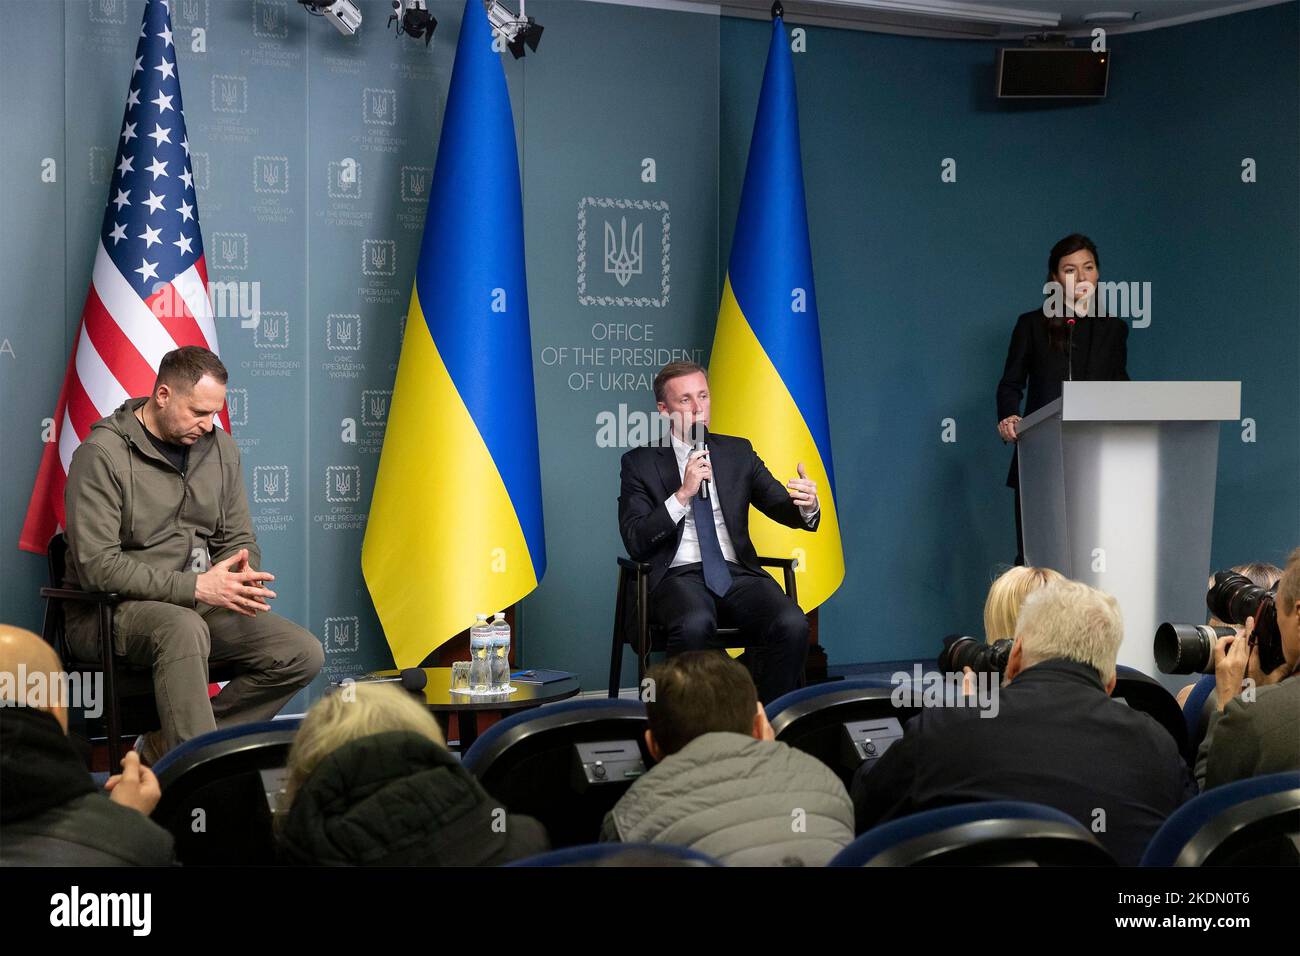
[1052, 73]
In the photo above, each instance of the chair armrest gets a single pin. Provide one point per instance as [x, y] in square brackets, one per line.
[636, 567]
[89, 597]
[787, 566]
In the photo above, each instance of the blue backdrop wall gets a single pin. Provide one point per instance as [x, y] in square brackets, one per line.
[643, 116]
[919, 281]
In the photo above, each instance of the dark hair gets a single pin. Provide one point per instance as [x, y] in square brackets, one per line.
[1260, 573]
[181, 369]
[699, 692]
[1074, 242]
[671, 371]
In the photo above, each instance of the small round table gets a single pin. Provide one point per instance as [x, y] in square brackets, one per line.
[443, 703]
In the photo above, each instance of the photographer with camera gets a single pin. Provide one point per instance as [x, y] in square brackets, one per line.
[1261, 575]
[1006, 597]
[1058, 738]
[1255, 728]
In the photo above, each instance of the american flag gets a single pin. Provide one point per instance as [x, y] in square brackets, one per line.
[149, 289]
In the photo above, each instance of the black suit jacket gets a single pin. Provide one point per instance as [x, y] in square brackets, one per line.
[650, 475]
[1057, 739]
[1032, 361]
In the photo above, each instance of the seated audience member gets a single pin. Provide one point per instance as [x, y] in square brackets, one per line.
[51, 813]
[1056, 737]
[1007, 595]
[1261, 575]
[371, 783]
[722, 785]
[1256, 730]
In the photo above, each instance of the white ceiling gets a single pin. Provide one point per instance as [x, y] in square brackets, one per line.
[978, 19]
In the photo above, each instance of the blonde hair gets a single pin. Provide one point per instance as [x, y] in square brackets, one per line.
[350, 713]
[1071, 620]
[1288, 586]
[1007, 595]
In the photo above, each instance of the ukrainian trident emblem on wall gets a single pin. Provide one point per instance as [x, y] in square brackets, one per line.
[631, 228]
[621, 260]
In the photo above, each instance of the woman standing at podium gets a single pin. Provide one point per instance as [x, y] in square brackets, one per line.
[1052, 344]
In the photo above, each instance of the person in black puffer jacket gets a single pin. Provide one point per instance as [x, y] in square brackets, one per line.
[371, 783]
[51, 812]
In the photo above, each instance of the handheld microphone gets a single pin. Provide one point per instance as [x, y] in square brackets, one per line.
[700, 441]
[1070, 371]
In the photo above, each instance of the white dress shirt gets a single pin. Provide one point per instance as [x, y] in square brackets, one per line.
[688, 552]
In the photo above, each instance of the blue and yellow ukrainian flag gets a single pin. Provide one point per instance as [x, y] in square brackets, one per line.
[455, 526]
[765, 372]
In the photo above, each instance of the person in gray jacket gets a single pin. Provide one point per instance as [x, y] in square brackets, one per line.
[1255, 726]
[722, 785]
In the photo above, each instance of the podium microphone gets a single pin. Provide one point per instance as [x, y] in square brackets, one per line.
[1070, 324]
[700, 441]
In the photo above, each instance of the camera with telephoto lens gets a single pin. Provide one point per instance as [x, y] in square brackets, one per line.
[960, 651]
[1189, 648]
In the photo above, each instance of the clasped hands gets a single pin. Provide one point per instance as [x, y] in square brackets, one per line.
[233, 585]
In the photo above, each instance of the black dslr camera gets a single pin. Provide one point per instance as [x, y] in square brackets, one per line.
[1189, 648]
[960, 651]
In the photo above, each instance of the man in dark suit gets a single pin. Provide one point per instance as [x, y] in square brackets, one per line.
[1056, 737]
[704, 572]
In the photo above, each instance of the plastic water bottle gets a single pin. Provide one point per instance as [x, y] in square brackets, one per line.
[500, 652]
[480, 654]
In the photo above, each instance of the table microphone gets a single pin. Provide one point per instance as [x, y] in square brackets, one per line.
[700, 439]
[1070, 323]
[411, 678]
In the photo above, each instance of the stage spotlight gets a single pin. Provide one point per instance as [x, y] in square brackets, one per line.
[518, 30]
[414, 19]
[344, 14]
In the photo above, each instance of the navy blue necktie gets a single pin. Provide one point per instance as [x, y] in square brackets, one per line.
[716, 575]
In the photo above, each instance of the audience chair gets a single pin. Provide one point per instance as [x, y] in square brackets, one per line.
[1196, 713]
[1253, 822]
[841, 724]
[994, 833]
[620, 855]
[1150, 696]
[219, 791]
[566, 764]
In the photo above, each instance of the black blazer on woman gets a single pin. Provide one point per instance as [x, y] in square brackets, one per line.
[1100, 355]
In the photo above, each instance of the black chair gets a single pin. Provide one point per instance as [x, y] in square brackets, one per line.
[566, 764]
[632, 616]
[1150, 696]
[1251, 822]
[995, 833]
[841, 724]
[128, 690]
[218, 793]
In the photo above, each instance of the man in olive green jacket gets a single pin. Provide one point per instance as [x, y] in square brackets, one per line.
[157, 512]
